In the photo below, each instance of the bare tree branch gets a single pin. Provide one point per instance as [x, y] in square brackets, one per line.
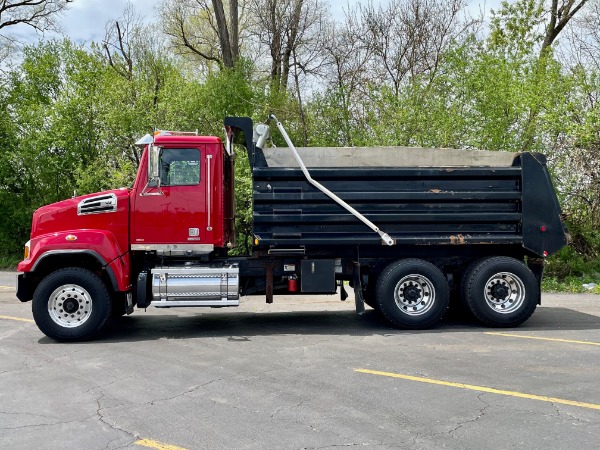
[38, 14]
[559, 18]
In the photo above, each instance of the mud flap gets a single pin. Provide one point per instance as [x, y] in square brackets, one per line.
[358, 296]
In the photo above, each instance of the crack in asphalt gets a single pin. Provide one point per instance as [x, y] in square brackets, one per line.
[561, 413]
[288, 408]
[65, 422]
[100, 386]
[114, 426]
[480, 414]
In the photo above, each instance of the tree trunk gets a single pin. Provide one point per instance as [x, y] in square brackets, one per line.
[559, 18]
[224, 39]
[291, 42]
[234, 32]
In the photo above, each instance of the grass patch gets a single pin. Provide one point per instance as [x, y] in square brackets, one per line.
[568, 271]
[570, 284]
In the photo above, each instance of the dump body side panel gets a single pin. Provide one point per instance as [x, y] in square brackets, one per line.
[416, 206]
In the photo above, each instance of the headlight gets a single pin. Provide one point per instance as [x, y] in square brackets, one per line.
[26, 256]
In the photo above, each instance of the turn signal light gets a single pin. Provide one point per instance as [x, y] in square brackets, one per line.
[543, 229]
[26, 252]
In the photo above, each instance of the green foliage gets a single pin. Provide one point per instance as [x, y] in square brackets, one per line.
[571, 284]
[243, 203]
[8, 262]
[69, 118]
[515, 27]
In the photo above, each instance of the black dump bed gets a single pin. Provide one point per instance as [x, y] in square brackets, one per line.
[514, 204]
[417, 196]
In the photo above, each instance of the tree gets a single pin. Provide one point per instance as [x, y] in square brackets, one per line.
[560, 15]
[205, 30]
[406, 38]
[38, 14]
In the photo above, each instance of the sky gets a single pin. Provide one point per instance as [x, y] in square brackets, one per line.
[85, 21]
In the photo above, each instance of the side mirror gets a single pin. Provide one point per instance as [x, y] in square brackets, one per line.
[153, 175]
[153, 157]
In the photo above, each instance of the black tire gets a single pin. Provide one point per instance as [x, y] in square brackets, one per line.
[459, 302]
[369, 293]
[412, 293]
[71, 304]
[500, 291]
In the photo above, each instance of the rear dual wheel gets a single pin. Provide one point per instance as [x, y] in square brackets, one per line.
[412, 293]
[500, 291]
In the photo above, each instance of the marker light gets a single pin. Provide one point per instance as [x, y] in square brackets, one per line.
[26, 253]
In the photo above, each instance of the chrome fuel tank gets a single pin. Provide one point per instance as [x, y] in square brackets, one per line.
[198, 286]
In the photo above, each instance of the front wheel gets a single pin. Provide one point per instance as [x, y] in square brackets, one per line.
[412, 293]
[71, 304]
[500, 291]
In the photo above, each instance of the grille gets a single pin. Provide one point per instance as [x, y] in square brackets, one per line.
[99, 204]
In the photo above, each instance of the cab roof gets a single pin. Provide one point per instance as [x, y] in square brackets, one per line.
[162, 139]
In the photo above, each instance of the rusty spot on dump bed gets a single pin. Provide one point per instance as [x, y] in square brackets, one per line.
[459, 239]
[435, 191]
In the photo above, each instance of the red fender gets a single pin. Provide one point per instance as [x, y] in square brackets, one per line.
[100, 244]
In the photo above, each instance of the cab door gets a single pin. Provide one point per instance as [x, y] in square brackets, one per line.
[176, 212]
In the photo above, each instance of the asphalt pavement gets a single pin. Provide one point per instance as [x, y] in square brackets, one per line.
[304, 372]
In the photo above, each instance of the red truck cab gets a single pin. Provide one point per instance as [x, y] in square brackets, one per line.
[186, 208]
[181, 204]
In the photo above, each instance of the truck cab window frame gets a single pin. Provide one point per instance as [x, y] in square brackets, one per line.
[179, 167]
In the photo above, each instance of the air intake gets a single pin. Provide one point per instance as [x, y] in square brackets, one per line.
[99, 204]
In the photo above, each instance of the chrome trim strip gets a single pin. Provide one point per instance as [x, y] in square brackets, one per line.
[174, 248]
[175, 303]
[208, 191]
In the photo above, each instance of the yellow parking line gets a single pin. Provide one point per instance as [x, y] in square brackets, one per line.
[522, 336]
[16, 318]
[158, 445]
[482, 389]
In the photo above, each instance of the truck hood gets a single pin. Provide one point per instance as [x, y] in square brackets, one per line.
[107, 210]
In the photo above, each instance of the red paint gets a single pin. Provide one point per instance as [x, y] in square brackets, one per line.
[292, 285]
[105, 234]
[155, 219]
[168, 218]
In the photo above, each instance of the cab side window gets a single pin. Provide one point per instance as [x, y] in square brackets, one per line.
[179, 166]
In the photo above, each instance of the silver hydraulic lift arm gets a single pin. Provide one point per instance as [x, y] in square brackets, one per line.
[384, 236]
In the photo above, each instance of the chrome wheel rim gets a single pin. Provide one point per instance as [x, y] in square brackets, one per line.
[414, 294]
[504, 292]
[70, 306]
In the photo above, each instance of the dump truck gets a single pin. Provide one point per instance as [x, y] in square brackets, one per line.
[406, 228]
